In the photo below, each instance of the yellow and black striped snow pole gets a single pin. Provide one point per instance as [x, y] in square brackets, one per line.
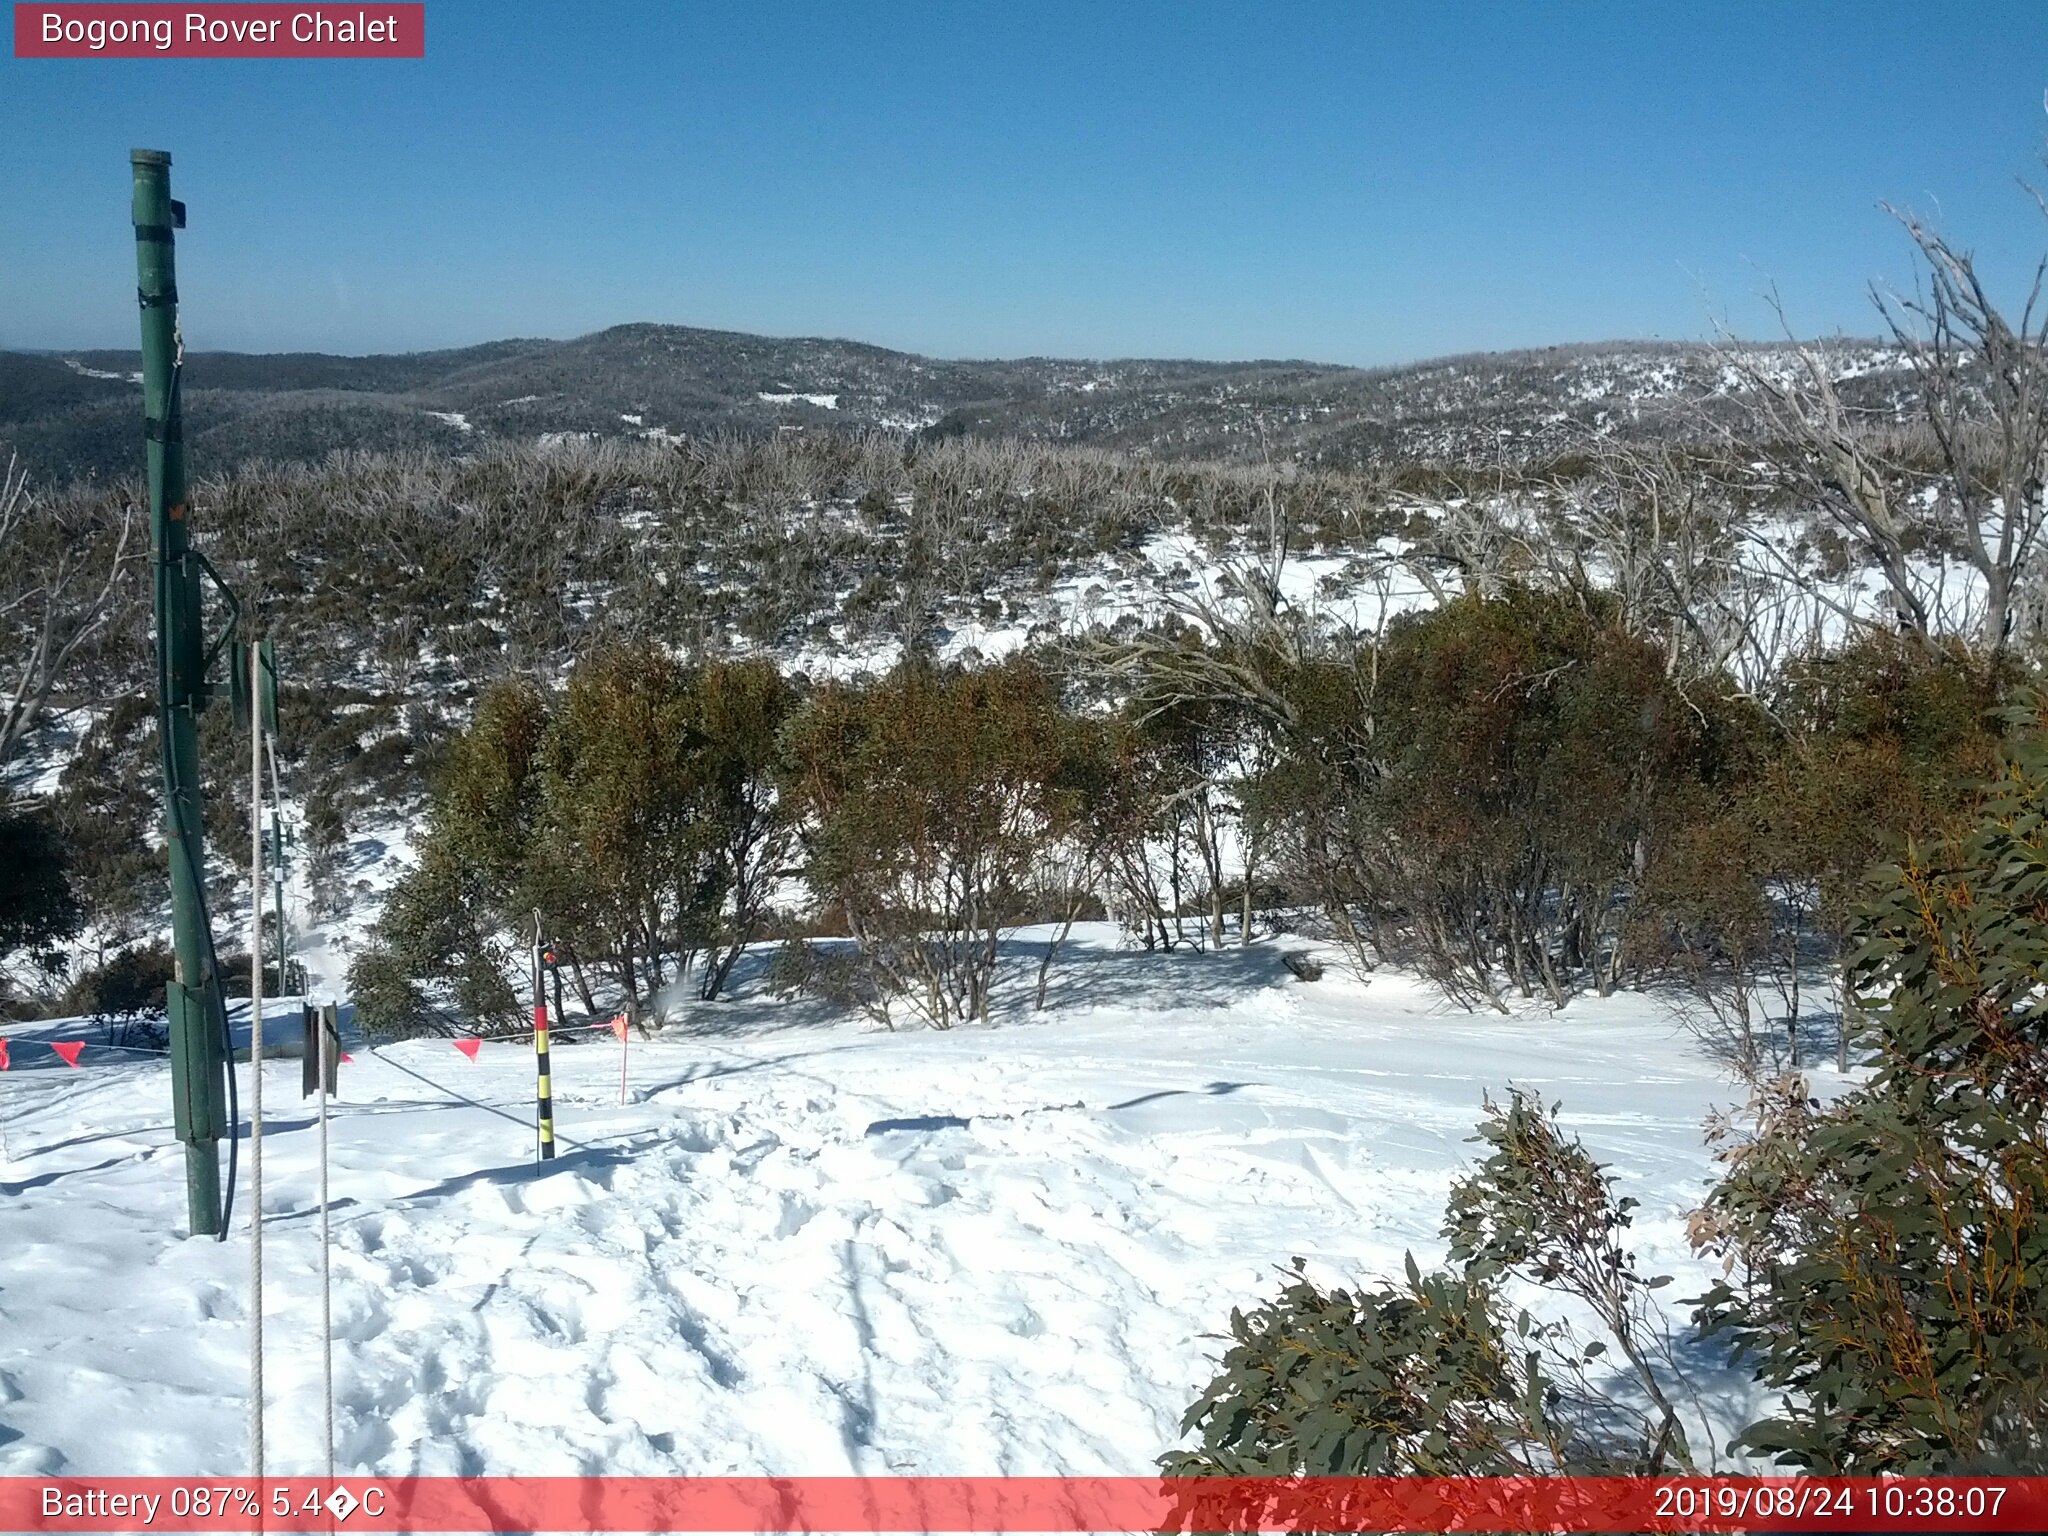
[545, 1088]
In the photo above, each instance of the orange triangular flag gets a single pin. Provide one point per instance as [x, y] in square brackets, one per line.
[618, 1026]
[68, 1049]
[469, 1047]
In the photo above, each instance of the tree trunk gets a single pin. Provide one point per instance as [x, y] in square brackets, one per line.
[1842, 1026]
[1792, 1024]
[718, 965]
[1052, 948]
[1212, 860]
[582, 984]
[1251, 858]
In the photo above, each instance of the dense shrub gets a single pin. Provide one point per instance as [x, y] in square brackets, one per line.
[1751, 898]
[38, 907]
[1482, 793]
[929, 798]
[637, 815]
[1425, 1378]
[1891, 1261]
[438, 961]
[130, 983]
[126, 994]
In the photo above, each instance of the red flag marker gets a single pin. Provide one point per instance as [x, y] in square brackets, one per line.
[618, 1024]
[3, 1055]
[469, 1047]
[68, 1049]
[346, 1057]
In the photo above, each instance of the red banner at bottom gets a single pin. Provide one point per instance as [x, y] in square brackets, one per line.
[1025, 1504]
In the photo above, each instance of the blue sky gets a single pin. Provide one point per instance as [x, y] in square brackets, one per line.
[1350, 182]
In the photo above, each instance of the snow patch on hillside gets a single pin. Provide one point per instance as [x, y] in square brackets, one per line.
[100, 373]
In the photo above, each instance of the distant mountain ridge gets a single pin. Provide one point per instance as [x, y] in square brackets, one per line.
[74, 414]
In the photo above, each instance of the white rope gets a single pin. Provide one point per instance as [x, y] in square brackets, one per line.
[326, 1260]
[256, 1063]
[555, 1031]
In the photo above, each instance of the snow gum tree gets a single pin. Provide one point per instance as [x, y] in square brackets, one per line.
[624, 850]
[446, 932]
[1164, 825]
[1481, 791]
[66, 586]
[1969, 490]
[930, 798]
[662, 829]
[733, 778]
[640, 813]
[438, 961]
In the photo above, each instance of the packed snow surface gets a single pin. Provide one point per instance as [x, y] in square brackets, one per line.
[802, 1245]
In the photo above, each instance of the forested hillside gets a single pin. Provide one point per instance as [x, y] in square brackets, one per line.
[68, 413]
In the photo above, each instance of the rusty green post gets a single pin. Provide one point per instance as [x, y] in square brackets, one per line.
[194, 1006]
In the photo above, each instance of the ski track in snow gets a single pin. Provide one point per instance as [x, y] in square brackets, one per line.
[809, 1249]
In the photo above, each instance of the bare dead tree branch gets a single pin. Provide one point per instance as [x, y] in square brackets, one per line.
[1981, 379]
[58, 593]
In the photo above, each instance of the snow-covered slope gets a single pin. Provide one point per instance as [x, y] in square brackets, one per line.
[800, 1246]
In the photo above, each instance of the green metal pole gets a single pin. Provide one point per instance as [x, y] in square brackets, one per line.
[194, 1005]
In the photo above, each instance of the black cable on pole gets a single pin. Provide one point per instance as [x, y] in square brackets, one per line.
[227, 1190]
[227, 1193]
[163, 725]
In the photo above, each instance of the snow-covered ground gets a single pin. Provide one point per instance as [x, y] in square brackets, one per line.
[801, 1245]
